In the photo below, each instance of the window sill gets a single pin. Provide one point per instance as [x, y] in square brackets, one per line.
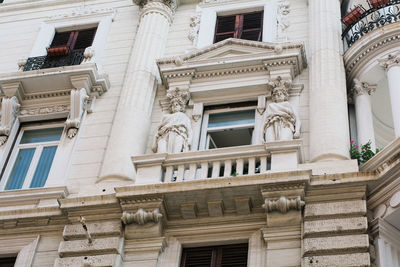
[31, 203]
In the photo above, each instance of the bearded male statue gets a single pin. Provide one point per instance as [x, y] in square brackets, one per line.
[174, 133]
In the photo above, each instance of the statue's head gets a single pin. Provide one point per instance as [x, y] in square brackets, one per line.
[280, 94]
[177, 99]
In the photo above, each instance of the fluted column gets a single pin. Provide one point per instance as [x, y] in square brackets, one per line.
[132, 120]
[329, 129]
[362, 100]
[391, 64]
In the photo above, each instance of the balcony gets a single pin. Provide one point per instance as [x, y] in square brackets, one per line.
[218, 163]
[45, 62]
[360, 21]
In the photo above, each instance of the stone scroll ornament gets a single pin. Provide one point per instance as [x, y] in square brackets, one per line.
[283, 204]
[78, 105]
[282, 121]
[141, 217]
[9, 111]
[174, 134]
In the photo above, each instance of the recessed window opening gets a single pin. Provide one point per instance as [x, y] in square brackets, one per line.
[227, 128]
[31, 158]
[218, 256]
[242, 26]
[65, 42]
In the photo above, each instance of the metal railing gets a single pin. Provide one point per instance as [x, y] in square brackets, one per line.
[45, 62]
[371, 19]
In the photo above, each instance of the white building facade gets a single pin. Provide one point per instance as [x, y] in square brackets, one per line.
[199, 133]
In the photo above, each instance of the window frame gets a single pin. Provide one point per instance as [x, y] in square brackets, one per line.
[210, 11]
[238, 26]
[204, 136]
[17, 146]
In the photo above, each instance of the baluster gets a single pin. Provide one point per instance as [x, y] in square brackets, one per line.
[239, 166]
[216, 168]
[252, 166]
[263, 161]
[192, 171]
[181, 172]
[168, 173]
[204, 170]
[227, 168]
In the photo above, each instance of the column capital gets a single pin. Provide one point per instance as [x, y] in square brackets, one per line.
[390, 60]
[173, 4]
[362, 88]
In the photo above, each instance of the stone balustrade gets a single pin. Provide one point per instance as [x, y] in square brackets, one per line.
[217, 163]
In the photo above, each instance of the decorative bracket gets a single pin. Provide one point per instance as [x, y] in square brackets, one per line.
[283, 204]
[9, 110]
[78, 106]
[141, 217]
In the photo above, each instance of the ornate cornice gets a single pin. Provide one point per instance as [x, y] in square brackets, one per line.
[44, 110]
[83, 11]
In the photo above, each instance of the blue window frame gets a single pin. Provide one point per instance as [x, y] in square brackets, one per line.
[31, 158]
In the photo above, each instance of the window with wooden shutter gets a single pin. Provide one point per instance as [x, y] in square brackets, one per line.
[65, 42]
[242, 26]
[219, 256]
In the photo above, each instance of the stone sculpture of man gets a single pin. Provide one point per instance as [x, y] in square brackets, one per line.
[282, 122]
[174, 133]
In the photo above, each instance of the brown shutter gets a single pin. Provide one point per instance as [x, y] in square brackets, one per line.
[252, 26]
[221, 256]
[84, 39]
[225, 28]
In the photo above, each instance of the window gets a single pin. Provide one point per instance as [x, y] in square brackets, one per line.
[242, 26]
[66, 49]
[66, 42]
[227, 127]
[221, 256]
[31, 158]
[7, 262]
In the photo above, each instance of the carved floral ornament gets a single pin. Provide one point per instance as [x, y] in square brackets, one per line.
[83, 11]
[390, 61]
[362, 88]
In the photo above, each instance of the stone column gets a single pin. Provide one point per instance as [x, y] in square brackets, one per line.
[132, 120]
[329, 128]
[362, 100]
[391, 64]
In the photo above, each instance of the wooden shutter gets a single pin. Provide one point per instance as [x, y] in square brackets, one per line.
[242, 26]
[61, 44]
[84, 39]
[252, 26]
[225, 28]
[221, 256]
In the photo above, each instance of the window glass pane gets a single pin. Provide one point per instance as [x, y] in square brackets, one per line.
[43, 167]
[252, 20]
[41, 135]
[231, 118]
[20, 169]
[226, 24]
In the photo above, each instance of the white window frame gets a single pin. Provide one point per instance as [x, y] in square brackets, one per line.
[101, 20]
[204, 137]
[209, 15]
[36, 156]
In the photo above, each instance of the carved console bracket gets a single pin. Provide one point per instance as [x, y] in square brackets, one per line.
[78, 105]
[9, 110]
[283, 204]
[141, 217]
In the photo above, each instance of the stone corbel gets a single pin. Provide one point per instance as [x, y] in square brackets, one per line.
[88, 55]
[261, 104]
[197, 111]
[9, 111]
[78, 106]
[283, 204]
[141, 217]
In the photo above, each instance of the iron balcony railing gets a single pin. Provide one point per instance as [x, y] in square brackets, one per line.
[371, 19]
[45, 62]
